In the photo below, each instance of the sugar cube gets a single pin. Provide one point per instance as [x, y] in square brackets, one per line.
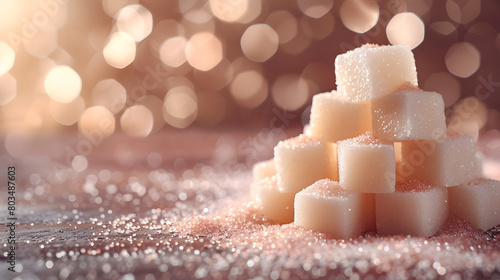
[326, 207]
[302, 160]
[373, 71]
[409, 115]
[416, 208]
[263, 170]
[446, 162]
[366, 165]
[276, 204]
[334, 118]
[477, 201]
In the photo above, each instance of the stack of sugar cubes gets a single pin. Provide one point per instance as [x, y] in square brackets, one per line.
[376, 156]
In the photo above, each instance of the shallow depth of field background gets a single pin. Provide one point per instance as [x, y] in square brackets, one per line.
[138, 67]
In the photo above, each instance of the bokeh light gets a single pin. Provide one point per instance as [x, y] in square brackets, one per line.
[137, 121]
[407, 29]
[7, 57]
[120, 50]
[111, 7]
[97, 123]
[204, 51]
[249, 89]
[462, 59]
[173, 51]
[445, 84]
[79, 163]
[359, 15]
[67, 113]
[136, 21]
[290, 92]
[463, 11]
[259, 42]
[180, 107]
[223, 61]
[110, 94]
[284, 23]
[155, 106]
[42, 44]
[63, 84]
[315, 8]
[228, 10]
[215, 78]
[8, 88]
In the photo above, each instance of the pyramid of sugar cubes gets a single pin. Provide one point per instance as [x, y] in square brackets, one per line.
[376, 156]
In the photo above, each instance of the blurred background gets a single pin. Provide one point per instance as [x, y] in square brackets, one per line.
[134, 68]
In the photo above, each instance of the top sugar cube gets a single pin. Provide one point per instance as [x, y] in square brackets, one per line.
[373, 71]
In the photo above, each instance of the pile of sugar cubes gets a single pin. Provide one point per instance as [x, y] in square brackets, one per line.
[376, 156]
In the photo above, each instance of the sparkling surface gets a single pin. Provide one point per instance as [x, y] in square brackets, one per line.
[195, 219]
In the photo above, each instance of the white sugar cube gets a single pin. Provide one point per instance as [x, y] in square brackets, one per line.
[373, 71]
[416, 208]
[276, 204]
[366, 165]
[408, 115]
[445, 162]
[263, 170]
[302, 160]
[326, 207]
[334, 118]
[478, 202]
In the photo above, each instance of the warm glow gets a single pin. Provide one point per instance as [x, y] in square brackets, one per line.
[229, 10]
[111, 7]
[7, 57]
[407, 29]
[204, 51]
[42, 44]
[241, 11]
[463, 59]
[173, 51]
[463, 11]
[79, 163]
[137, 121]
[315, 8]
[119, 52]
[136, 21]
[284, 23]
[359, 15]
[259, 42]
[445, 84]
[290, 92]
[249, 89]
[67, 113]
[63, 84]
[97, 123]
[180, 107]
[155, 106]
[110, 94]
[215, 78]
[8, 89]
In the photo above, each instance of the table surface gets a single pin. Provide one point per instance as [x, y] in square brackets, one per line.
[176, 205]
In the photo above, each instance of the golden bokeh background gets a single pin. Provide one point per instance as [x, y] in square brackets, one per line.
[138, 67]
